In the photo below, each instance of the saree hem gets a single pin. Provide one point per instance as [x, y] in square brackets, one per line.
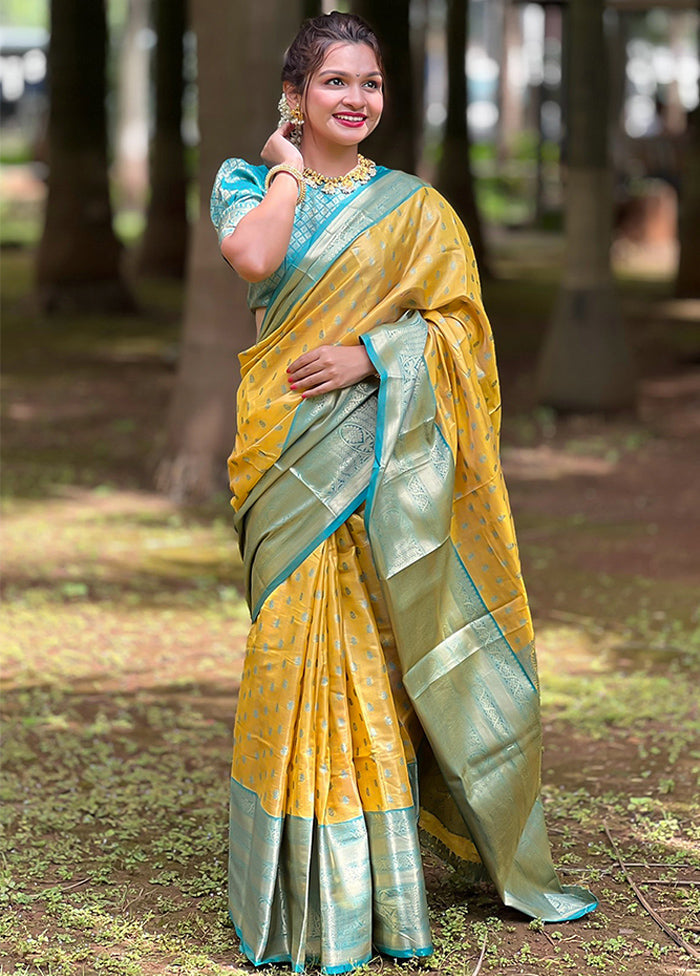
[287, 959]
[406, 953]
[420, 953]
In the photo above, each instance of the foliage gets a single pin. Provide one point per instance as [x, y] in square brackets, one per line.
[24, 13]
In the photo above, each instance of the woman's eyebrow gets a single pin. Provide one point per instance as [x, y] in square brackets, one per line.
[347, 74]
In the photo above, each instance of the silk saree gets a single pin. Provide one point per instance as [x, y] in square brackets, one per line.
[389, 692]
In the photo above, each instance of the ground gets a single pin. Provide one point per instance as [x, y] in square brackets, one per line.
[124, 627]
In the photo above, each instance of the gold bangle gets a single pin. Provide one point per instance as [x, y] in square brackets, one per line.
[292, 171]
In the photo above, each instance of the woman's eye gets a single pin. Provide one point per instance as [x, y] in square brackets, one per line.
[333, 81]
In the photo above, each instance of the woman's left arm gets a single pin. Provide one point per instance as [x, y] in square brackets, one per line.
[328, 368]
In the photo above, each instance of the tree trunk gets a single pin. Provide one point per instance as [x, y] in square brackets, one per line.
[585, 363]
[164, 244]
[311, 8]
[688, 279]
[240, 47]
[510, 94]
[79, 255]
[674, 116]
[394, 141]
[454, 177]
[419, 44]
[130, 167]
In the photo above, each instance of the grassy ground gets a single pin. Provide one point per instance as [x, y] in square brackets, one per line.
[124, 628]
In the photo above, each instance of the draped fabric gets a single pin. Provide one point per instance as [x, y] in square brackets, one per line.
[390, 617]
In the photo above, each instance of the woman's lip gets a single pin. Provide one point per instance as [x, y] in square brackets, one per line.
[351, 120]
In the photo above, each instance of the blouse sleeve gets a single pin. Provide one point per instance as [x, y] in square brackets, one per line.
[237, 190]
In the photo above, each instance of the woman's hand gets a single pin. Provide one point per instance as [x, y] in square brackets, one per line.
[278, 149]
[329, 368]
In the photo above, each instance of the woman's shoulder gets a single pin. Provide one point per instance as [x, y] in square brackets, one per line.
[236, 170]
[398, 176]
[424, 192]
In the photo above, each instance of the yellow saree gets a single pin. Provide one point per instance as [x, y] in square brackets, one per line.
[389, 611]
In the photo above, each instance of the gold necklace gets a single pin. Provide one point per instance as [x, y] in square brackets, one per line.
[362, 173]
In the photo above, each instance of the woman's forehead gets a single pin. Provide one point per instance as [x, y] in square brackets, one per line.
[351, 57]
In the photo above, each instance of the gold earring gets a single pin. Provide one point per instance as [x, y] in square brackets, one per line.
[289, 114]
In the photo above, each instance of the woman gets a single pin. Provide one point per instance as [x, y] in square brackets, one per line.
[389, 613]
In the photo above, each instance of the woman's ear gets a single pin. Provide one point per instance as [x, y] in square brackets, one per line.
[293, 97]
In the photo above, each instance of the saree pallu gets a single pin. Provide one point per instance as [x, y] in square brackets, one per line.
[387, 601]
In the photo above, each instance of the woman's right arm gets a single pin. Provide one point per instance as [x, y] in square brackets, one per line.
[258, 245]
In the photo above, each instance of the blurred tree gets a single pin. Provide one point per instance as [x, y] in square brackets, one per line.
[420, 16]
[393, 143]
[130, 166]
[164, 244]
[79, 255]
[454, 177]
[510, 102]
[311, 8]
[585, 363]
[240, 47]
[688, 279]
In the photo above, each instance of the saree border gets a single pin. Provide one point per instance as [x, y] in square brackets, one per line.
[365, 903]
[377, 362]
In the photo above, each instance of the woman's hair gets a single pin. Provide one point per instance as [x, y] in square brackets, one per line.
[305, 54]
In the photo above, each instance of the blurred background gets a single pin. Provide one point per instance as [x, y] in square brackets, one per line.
[557, 129]
[567, 136]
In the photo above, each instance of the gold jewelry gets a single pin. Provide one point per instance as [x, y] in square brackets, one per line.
[292, 171]
[362, 173]
[289, 114]
[293, 115]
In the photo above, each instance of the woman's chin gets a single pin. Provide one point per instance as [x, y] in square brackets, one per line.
[341, 136]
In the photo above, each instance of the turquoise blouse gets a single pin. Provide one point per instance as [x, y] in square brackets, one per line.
[239, 187]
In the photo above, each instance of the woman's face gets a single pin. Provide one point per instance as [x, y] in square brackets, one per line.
[343, 100]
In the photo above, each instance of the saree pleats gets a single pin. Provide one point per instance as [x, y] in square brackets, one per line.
[368, 640]
[320, 776]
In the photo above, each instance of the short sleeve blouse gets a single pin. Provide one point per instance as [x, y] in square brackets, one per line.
[238, 188]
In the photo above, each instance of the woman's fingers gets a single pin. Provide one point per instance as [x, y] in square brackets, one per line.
[310, 363]
[328, 368]
[279, 149]
[312, 378]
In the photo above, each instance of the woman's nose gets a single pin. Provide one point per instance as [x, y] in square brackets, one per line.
[354, 95]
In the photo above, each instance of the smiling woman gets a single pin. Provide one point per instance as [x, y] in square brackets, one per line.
[342, 104]
[391, 629]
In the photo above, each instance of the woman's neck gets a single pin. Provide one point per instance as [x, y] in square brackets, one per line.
[329, 163]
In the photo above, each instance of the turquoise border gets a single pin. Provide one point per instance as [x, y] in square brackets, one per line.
[376, 361]
[329, 970]
[362, 822]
